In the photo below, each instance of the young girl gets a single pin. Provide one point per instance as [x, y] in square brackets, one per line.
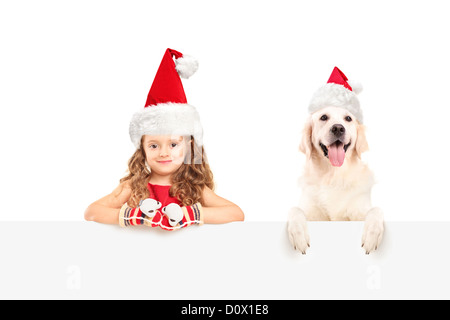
[169, 183]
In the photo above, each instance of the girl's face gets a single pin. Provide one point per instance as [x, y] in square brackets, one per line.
[164, 154]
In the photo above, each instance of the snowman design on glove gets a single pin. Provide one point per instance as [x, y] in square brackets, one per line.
[174, 214]
[149, 207]
[170, 217]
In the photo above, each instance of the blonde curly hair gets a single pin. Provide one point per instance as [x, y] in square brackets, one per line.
[188, 181]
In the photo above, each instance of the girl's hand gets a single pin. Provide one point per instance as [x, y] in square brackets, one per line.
[176, 217]
[146, 214]
[173, 217]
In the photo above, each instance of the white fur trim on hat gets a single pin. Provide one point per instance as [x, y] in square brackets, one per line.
[166, 119]
[336, 95]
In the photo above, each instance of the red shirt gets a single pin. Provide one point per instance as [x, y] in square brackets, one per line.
[161, 194]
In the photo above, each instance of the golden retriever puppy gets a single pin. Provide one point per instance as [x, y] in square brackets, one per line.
[336, 183]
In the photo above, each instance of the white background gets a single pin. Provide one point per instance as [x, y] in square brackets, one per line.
[73, 73]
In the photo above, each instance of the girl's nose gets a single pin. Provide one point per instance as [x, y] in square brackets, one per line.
[164, 152]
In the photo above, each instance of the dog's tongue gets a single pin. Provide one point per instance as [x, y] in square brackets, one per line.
[336, 154]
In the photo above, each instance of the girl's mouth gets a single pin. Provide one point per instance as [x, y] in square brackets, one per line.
[164, 161]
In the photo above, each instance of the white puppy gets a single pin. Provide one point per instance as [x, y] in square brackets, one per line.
[336, 184]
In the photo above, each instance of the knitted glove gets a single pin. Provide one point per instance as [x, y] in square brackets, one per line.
[176, 217]
[147, 214]
[173, 217]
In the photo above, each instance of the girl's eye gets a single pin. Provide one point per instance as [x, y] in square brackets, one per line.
[173, 145]
[324, 117]
[348, 118]
[153, 146]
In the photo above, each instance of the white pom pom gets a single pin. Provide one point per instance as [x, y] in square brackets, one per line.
[356, 86]
[186, 66]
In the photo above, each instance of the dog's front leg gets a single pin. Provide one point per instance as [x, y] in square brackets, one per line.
[373, 230]
[298, 230]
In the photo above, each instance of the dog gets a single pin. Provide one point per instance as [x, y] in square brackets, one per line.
[336, 184]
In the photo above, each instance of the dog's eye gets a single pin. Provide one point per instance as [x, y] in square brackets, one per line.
[324, 117]
[348, 118]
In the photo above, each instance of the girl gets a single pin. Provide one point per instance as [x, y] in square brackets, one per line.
[169, 183]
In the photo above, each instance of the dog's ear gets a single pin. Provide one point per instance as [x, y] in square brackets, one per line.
[361, 141]
[305, 142]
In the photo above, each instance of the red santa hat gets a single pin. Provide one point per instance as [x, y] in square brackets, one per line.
[166, 111]
[338, 92]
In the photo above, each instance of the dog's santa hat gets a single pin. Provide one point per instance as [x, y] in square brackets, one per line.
[338, 92]
[166, 111]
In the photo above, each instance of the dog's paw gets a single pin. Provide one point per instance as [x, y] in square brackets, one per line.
[297, 230]
[373, 230]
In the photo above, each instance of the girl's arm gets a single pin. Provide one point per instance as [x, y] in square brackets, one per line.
[106, 209]
[219, 210]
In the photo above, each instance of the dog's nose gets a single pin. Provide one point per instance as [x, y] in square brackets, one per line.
[338, 130]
